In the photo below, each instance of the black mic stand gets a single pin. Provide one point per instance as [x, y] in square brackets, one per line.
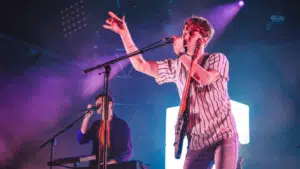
[106, 80]
[52, 140]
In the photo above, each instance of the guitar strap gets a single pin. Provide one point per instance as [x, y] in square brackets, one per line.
[204, 60]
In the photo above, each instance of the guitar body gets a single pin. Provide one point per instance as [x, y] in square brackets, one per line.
[180, 132]
[182, 121]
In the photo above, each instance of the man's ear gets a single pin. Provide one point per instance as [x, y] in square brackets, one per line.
[205, 40]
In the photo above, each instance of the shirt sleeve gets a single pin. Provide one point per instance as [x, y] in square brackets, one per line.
[166, 71]
[124, 148]
[219, 62]
[88, 136]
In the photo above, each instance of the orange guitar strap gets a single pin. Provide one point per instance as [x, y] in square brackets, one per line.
[101, 134]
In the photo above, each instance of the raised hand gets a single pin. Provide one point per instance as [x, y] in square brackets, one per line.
[90, 113]
[116, 24]
[178, 44]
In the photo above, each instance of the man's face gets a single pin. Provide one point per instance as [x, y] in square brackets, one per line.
[101, 103]
[190, 35]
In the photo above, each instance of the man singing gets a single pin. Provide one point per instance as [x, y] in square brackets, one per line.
[119, 139]
[211, 131]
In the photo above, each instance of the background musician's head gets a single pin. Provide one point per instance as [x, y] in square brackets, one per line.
[100, 101]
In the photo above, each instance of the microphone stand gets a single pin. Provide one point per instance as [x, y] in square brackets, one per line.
[52, 140]
[107, 67]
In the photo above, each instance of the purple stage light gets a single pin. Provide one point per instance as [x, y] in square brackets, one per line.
[241, 3]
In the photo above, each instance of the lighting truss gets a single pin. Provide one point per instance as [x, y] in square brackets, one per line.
[73, 18]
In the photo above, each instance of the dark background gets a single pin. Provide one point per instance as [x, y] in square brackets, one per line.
[43, 87]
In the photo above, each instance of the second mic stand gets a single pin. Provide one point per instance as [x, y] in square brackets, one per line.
[106, 80]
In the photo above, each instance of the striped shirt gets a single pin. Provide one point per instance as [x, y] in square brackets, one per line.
[210, 116]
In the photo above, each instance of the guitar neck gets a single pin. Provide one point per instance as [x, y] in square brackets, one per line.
[183, 104]
[185, 93]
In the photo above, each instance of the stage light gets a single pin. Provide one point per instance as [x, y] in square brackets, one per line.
[241, 3]
[240, 112]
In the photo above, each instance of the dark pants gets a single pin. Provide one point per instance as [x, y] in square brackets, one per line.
[224, 154]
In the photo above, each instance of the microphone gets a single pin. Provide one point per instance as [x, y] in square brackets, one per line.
[95, 108]
[170, 39]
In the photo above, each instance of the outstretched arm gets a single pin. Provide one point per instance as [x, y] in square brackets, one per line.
[117, 25]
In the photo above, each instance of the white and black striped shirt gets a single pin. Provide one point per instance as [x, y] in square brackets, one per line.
[210, 116]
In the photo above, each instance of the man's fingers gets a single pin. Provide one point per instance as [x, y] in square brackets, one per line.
[107, 27]
[89, 105]
[176, 37]
[109, 21]
[114, 16]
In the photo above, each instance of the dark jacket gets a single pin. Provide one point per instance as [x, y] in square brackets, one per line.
[120, 139]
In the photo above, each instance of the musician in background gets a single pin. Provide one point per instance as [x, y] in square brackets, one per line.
[119, 137]
[211, 130]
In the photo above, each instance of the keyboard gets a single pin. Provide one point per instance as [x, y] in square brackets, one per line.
[134, 164]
